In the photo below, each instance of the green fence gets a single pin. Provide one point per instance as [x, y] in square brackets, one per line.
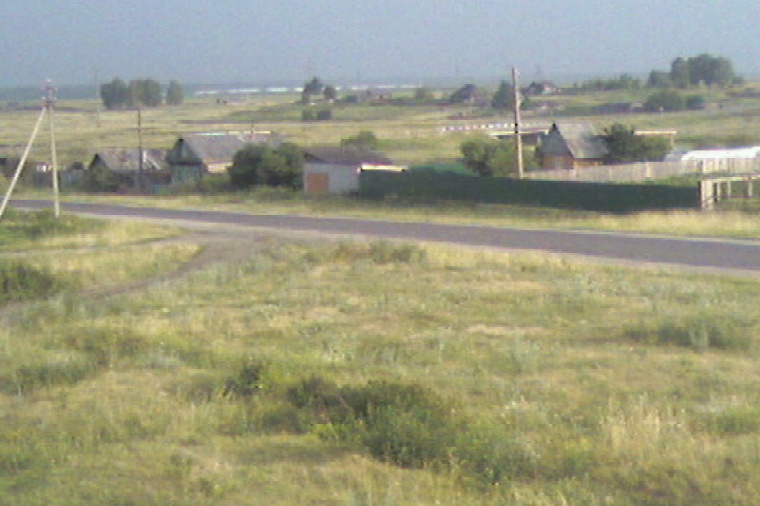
[616, 198]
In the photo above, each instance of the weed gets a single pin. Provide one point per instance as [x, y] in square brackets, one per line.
[20, 281]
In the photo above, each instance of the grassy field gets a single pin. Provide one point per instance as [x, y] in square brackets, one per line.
[408, 134]
[345, 373]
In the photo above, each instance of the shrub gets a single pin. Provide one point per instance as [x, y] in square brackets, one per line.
[20, 281]
[247, 381]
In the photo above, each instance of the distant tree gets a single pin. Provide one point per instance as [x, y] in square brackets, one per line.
[694, 102]
[680, 75]
[114, 94]
[260, 164]
[330, 93]
[312, 88]
[174, 94]
[659, 79]
[665, 100]
[364, 139]
[622, 82]
[144, 92]
[624, 146]
[504, 98]
[423, 95]
[711, 70]
[99, 179]
[486, 157]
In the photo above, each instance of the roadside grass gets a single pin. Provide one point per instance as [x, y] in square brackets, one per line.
[383, 373]
[734, 222]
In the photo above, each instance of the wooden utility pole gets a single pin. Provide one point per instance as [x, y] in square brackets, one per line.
[47, 109]
[518, 137]
[49, 103]
[140, 154]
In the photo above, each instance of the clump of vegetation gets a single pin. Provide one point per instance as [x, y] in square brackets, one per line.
[35, 225]
[20, 281]
[262, 165]
[697, 332]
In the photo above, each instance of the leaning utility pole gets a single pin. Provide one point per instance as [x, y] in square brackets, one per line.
[518, 137]
[49, 102]
[47, 109]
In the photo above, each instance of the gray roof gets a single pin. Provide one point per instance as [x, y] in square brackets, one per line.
[345, 155]
[581, 140]
[218, 147]
[128, 159]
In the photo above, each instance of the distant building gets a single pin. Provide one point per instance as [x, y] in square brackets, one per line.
[335, 170]
[124, 164]
[197, 154]
[572, 146]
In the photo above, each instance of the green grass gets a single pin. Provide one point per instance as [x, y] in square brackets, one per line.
[373, 372]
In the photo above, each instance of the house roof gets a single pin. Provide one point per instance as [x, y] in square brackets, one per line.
[581, 140]
[128, 159]
[345, 155]
[220, 147]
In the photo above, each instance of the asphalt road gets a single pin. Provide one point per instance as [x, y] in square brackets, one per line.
[716, 255]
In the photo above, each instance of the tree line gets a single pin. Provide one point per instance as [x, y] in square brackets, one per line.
[117, 94]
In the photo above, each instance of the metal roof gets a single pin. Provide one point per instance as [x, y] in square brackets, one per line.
[581, 140]
[345, 155]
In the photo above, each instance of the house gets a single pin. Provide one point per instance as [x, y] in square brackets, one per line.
[336, 169]
[196, 154]
[128, 172]
[541, 88]
[571, 146]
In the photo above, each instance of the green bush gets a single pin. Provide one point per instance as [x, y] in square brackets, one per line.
[247, 381]
[20, 281]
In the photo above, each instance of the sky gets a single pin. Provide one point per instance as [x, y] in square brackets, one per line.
[278, 41]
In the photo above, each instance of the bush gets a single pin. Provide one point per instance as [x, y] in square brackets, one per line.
[247, 381]
[19, 282]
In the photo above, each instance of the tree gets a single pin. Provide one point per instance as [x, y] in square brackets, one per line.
[423, 95]
[623, 146]
[114, 94]
[504, 98]
[144, 92]
[174, 94]
[680, 74]
[364, 139]
[311, 89]
[260, 164]
[659, 79]
[330, 93]
[486, 157]
[665, 100]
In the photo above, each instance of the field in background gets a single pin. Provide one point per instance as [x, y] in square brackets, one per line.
[555, 381]
[408, 134]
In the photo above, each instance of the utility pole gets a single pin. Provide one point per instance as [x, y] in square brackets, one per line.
[49, 103]
[139, 147]
[518, 137]
[47, 109]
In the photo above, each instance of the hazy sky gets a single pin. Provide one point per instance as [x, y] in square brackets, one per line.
[263, 41]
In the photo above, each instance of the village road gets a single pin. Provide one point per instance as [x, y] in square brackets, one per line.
[706, 254]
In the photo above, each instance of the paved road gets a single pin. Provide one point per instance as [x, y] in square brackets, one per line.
[737, 256]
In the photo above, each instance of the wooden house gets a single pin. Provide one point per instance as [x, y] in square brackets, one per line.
[336, 170]
[196, 154]
[572, 146]
[127, 171]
